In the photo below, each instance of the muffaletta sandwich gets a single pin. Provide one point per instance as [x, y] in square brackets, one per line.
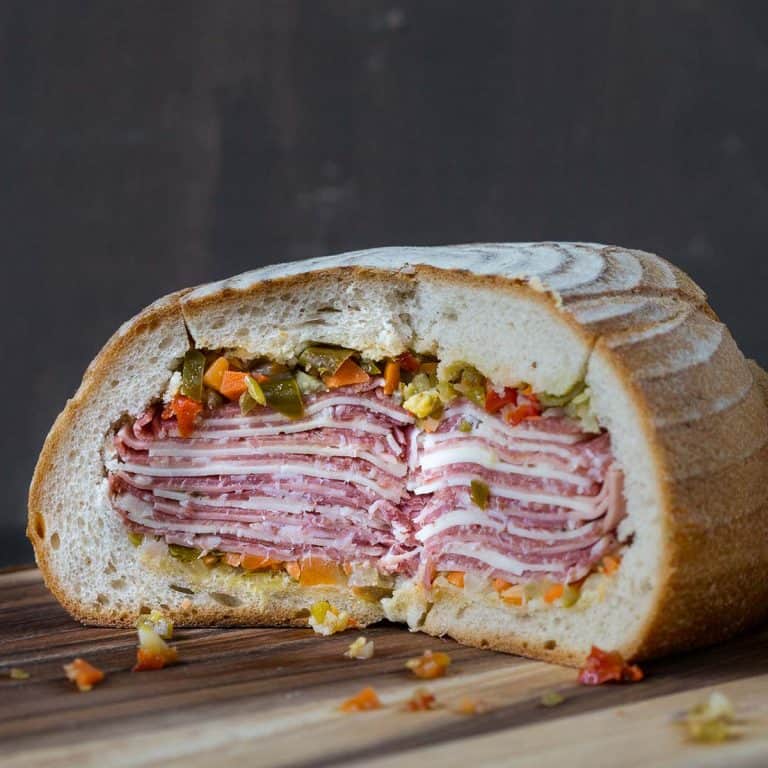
[534, 448]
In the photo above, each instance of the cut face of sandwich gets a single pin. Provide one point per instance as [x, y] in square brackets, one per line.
[536, 448]
[372, 482]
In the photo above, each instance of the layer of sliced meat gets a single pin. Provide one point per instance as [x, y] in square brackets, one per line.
[355, 480]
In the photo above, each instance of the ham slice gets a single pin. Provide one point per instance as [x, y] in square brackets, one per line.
[357, 481]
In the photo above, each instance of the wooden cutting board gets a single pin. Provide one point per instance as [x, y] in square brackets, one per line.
[269, 697]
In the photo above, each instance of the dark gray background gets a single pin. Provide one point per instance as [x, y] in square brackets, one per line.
[148, 146]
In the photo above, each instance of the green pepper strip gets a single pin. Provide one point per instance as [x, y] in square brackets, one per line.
[479, 493]
[192, 375]
[324, 361]
[283, 394]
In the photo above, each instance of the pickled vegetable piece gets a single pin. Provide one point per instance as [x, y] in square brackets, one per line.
[571, 595]
[315, 572]
[185, 554]
[479, 493]
[153, 652]
[233, 384]
[465, 426]
[215, 373]
[610, 564]
[495, 401]
[283, 395]
[456, 578]
[293, 570]
[135, 538]
[17, 673]
[366, 700]
[523, 412]
[551, 699]
[605, 666]
[192, 374]
[421, 701]
[360, 649]
[429, 665]
[83, 674]
[309, 384]
[324, 361]
[424, 404]
[370, 367]
[409, 362]
[349, 372]
[711, 721]
[186, 410]
[254, 390]
[555, 592]
[391, 376]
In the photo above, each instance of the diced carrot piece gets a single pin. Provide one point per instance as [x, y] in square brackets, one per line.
[555, 592]
[391, 376]
[500, 585]
[610, 564]
[233, 384]
[215, 373]
[429, 368]
[315, 572]
[514, 595]
[349, 372]
[83, 674]
[456, 578]
[366, 700]
[257, 562]
[523, 412]
[429, 665]
[233, 558]
[293, 569]
[150, 660]
[495, 401]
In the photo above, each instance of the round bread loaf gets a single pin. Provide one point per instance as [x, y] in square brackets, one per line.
[686, 413]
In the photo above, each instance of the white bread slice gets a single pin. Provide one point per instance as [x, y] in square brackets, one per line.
[686, 412]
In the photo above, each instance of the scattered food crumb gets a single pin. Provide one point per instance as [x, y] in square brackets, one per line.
[360, 649]
[327, 620]
[711, 721]
[421, 700]
[605, 666]
[83, 674]
[429, 665]
[468, 705]
[17, 673]
[158, 622]
[551, 699]
[366, 700]
[153, 652]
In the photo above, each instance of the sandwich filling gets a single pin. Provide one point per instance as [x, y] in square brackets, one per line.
[342, 470]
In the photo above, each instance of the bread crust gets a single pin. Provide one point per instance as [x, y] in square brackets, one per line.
[626, 324]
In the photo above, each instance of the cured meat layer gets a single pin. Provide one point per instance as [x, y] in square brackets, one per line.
[355, 481]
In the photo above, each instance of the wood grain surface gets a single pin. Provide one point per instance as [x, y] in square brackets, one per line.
[270, 697]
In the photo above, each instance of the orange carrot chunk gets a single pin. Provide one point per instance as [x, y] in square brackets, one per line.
[233, 384]
[83, 674]
[349, 372]
[215, 373]
[429, 665]
[391, 376]
[456, 578]
[365, 700]
[555, 592]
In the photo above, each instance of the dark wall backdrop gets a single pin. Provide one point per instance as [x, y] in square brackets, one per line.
[145, 146]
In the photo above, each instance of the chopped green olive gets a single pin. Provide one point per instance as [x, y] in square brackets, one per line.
[136, 538]
[571, 595]
[465, 426]
[557, 401]
[185, 554]
[323, 361]
[254, 390]
[479, 493]
[309, 384]
[283, 394]
[247, 403]
[370, 367]
[192, 374]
